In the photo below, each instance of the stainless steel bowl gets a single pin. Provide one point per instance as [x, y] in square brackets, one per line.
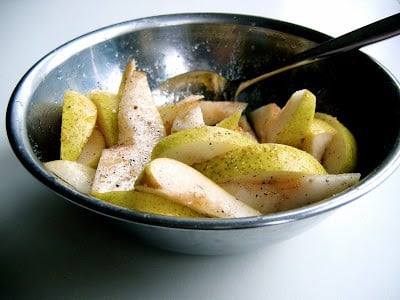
[354, 87]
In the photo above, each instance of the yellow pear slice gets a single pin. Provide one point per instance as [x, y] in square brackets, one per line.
[79, 116]
[216, 111]
[168, 112]
[184, 185]
[292, 123]
[185, 119]
[128, 72]
[246, 129]
[77, 175]
[340, 155]
[140, 128]
[117, 170]
[316, 141]
[231, 122]
[199, 144]
[139, 122]
[91, 153]
[279, 191]
[107, 104]
[259, 158]
[148, 203]
[262, 118]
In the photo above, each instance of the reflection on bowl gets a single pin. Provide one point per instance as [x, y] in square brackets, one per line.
[352, 87]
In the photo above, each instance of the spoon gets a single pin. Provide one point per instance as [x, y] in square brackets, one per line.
[215, 86]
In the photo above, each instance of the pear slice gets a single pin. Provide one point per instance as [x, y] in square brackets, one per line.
[168, 112]
[148, 203]
[246, 129]
[216, 111]
[118, 168]
[128, 71]
[271, 192]
[139, 121]
[195, 145]
[316, 141]
[184, 185]
[91, 153]
[340, 155]
[262, 118]
[231, 122]
[185, 119]
[140, 128]
[107, 104]
[259, 158]
[79, 116]
[290, 125]
[77, 175]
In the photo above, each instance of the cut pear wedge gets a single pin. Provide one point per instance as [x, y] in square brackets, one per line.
[118, 168]
[289, 125]
[216, 111]
[107, 114]
[231, 122]
[190, 118]
[196, 145]
[140, 128]
[319, 137]
[91, 153]
[259, 158]
[79, 115]
[184, 185]
[261, 118]
[139, 122]
[77, 175]
[271, 192]
[169, 112]
[148, 203]
[246, 129]
[340, 155]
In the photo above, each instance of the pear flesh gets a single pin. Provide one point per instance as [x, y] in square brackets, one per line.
[107, 104]
[91, 152]
[117, 170]
[193, 117]
[319, 137]
[77, 175]
[340, 155]
[169, 112]
[216, 111]
[181, 183]
[288, 125]
[279, 191]
[140, 128]
[139, 121]
[231, 122]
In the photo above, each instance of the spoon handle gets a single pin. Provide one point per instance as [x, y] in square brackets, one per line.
[369, 34]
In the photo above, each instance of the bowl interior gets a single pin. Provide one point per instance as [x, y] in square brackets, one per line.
[352, 87]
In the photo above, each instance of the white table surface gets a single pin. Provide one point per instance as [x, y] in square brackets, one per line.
[52, 249]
